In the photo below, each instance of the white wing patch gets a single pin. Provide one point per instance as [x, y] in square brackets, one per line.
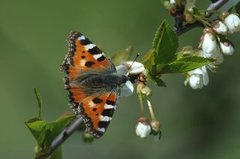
[89, 46]
[82, 38]
[102, 129]
[97, 56]
[105, 118]
[108, 106]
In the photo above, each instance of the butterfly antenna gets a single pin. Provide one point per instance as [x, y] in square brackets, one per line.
[138, 54]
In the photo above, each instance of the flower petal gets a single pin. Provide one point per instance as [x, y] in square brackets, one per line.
[127, 89]
[143, 130]
[209, 43]
[233, 23]
[226, 48]
[196, 81]
[220, 27]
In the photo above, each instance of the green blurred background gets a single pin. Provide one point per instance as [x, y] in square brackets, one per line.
[195, 123]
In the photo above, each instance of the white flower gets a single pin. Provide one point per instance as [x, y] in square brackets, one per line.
[127, 89]
[209, 43]
[196, 81]
[213, 55]
[143, 129]
[130, 67]
[233, 23]
[220, 27]
[226, 48]
[216, 55]
[136, 67]
[198, 78]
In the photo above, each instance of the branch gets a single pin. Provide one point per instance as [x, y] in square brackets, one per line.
[217, 5]
[67, 132]
[187, 27]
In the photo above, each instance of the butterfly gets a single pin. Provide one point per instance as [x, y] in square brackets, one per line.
[93, 83]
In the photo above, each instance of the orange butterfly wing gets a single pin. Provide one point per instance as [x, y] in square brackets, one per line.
[98, 112]
[83, 56]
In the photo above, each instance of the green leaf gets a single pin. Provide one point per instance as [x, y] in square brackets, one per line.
[121, 56]
[148, 60]
[39, 100]
[184, 65]
[165, 44]
[44, 132]
[156, 79]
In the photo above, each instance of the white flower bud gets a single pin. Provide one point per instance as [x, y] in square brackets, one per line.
[226, 48]
[155, 126]
[143, 128]
[212, 55]
[198, 78]
[233, 23]
[209, 42]
[220, 27]
[196, 81]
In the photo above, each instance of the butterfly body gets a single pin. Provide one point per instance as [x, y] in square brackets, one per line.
[100, 82]
[92, 82]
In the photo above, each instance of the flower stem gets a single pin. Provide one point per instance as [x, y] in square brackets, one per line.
[151, 110]
[140, 96]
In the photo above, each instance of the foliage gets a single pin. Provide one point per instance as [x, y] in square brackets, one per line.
[45, 132]
[164, 58]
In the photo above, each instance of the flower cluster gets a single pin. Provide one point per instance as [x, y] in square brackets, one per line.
[214, 45]
[137, 75]
[144, 128]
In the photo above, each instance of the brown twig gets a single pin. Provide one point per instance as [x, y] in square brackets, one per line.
[187, 27]
[67, 132]
[217, 5]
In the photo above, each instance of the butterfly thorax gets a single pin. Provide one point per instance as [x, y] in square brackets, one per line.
[94, 82]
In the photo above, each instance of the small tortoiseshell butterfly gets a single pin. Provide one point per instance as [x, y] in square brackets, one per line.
[92, 82]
